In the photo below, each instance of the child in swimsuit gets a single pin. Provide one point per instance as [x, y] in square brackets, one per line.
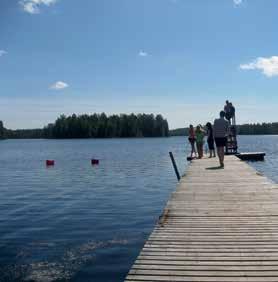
[192, 140]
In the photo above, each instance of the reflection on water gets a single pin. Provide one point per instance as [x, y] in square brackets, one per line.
[69, 263]
[63, 269]
[77, 222]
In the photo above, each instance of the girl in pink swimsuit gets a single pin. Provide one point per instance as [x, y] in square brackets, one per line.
[192, 140]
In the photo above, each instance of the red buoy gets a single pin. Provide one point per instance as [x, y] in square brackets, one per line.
[50, 162]
[94, 161]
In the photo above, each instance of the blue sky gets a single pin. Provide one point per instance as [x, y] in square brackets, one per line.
[180, 58]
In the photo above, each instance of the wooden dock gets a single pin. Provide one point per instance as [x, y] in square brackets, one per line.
[219, 225]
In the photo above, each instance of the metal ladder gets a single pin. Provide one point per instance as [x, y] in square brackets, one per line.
[231, 145]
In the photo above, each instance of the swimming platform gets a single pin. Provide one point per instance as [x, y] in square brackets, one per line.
[219, 225]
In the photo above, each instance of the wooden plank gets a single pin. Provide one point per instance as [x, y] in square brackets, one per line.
[218, 254]
[198, 278]
[219, 225]
[156, 265]
[207, 263]
[221, 258]
[210, 273]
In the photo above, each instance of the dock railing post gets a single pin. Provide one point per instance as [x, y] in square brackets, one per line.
[175, 166]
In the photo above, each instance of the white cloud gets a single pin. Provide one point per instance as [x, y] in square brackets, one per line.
[268, 66]
[237, 2]
[33, 6]
[143, 54]
[59, 85]
[2, 53]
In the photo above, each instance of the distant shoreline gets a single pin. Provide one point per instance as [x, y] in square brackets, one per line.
[243, 129]
[119, 138]
[157, 129]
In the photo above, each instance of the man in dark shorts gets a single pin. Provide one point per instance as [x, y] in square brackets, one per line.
[228, 111]
[220, 130]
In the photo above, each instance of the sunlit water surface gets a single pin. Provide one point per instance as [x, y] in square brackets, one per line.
[77, 222]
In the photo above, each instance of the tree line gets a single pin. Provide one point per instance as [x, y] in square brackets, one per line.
[102, 126]
[244, 129]
[98, 126]
[258, 128]
[2, 130]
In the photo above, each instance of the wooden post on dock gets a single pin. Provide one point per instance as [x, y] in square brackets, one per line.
[175, 166]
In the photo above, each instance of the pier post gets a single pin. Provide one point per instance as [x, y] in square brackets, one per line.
[175, 166]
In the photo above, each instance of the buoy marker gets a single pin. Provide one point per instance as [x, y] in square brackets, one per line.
[50, 162]
[94, 161]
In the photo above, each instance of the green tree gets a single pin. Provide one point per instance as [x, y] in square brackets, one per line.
[2, 131]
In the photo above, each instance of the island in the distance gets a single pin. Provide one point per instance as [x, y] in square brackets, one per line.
[96, 126]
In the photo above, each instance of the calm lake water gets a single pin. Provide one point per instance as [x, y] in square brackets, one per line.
[75, 222]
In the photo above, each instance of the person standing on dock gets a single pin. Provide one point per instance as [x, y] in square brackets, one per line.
[233, 114]
[210, 140]
[192, 140]
[200, 134]
[220, 130]
[228, 111]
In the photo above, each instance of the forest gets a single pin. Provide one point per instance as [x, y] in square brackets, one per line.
[97, 126]
[103, 126]
[2, 130]
[258, 129]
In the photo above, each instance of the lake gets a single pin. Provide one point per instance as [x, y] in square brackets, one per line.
[78, 222]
